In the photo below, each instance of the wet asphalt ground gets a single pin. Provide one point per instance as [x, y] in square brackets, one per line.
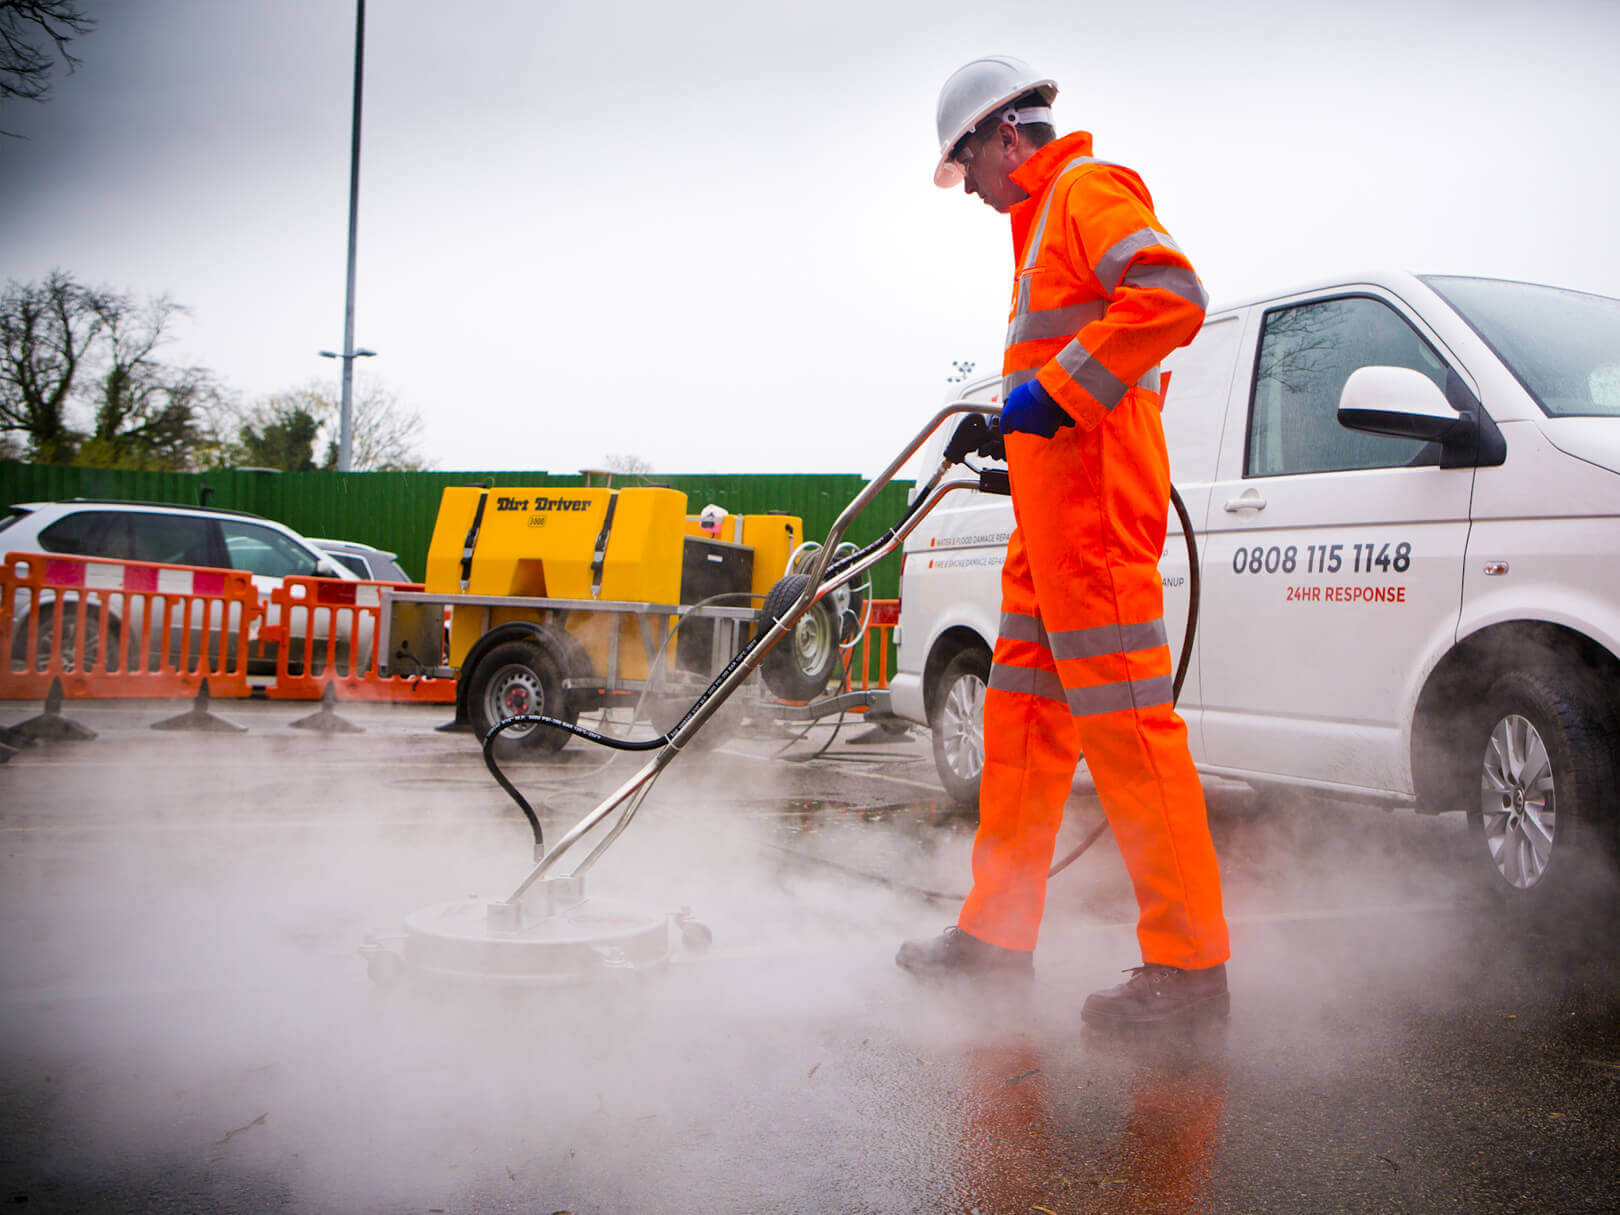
[186, 1024]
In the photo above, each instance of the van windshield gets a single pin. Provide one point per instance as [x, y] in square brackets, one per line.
[1564, 346]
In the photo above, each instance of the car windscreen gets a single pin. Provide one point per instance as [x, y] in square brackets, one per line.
[17, 515]
[1564, 346]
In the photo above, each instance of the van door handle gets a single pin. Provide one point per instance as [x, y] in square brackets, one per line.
[1250, 500]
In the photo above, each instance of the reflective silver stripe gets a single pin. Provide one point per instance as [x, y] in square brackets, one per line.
[1015, 626]
[1014, 378]
[1054, 322]
[1106, 639]
[1178, 280]
[1150, 380]
[1028, 681]
[1113, 697]
[1111, 266]
[1051, 189]
[1091, 375]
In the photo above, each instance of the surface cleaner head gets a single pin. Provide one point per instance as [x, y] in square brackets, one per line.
[555, 935]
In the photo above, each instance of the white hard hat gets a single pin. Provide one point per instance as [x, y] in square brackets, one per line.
[975, 91]
[711, 517]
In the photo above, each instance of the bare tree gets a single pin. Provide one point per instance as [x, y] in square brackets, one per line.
[47, 331]
[386, 432]
[627, 463]
[26, 27]
[147, 413]
[71, 354]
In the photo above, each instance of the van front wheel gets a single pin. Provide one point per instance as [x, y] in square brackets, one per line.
[958, 725]
[1546, 770]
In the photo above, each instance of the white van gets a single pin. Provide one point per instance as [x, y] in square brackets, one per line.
[1406, 495]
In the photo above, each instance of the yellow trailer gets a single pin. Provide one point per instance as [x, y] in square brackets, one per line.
[559, 601]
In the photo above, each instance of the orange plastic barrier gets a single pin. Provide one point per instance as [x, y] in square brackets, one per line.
[333, 628]
[873, 664]
[121, 629]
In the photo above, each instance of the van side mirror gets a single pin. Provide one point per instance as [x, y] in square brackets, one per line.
[1405, 403]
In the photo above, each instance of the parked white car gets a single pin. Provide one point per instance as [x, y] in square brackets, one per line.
[179, 535]
[364, 561]
[1406, 495]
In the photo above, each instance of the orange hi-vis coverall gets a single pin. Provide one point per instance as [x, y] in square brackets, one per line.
[1083, 663]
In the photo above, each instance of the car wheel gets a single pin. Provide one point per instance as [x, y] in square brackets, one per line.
[513, 679]
[958, 725]
[78, 654]
[1546, 779]
[800, 666]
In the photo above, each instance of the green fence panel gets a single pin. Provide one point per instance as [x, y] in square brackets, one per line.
[396, 510]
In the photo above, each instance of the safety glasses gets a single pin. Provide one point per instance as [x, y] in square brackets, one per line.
[962, 153]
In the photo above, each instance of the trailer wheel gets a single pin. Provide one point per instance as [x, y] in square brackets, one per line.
[958, 725]
[518, 677]
[1546, 768]
[799, 666]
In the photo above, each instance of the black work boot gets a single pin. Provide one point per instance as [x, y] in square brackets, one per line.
[956, 952]
[1159, 995]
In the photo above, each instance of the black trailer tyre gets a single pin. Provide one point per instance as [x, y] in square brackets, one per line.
[799, 666]
[514, 678]
[1545, 780]
[958, 725]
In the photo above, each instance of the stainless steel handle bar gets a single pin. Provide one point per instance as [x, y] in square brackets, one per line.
[630, 795]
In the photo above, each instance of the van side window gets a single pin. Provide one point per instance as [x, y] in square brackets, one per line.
[171, 539]
[90, 533]
[1307, 352]
[264, 551]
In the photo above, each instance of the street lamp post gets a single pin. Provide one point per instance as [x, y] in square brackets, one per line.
[346, 414]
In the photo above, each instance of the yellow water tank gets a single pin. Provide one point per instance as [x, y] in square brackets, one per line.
[542, 543]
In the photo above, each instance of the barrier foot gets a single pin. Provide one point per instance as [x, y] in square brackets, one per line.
[14, 738]
[51, 725]
[325, 720]
[455, 727]
[6, 753]
[199, 718]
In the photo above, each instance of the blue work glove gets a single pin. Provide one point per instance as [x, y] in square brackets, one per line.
[1031, 410]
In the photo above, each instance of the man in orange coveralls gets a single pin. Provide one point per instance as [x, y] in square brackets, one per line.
[1082, 664]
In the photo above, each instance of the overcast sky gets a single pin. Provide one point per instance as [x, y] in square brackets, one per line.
[706, 234]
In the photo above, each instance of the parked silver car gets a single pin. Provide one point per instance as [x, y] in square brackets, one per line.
[372, 564]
